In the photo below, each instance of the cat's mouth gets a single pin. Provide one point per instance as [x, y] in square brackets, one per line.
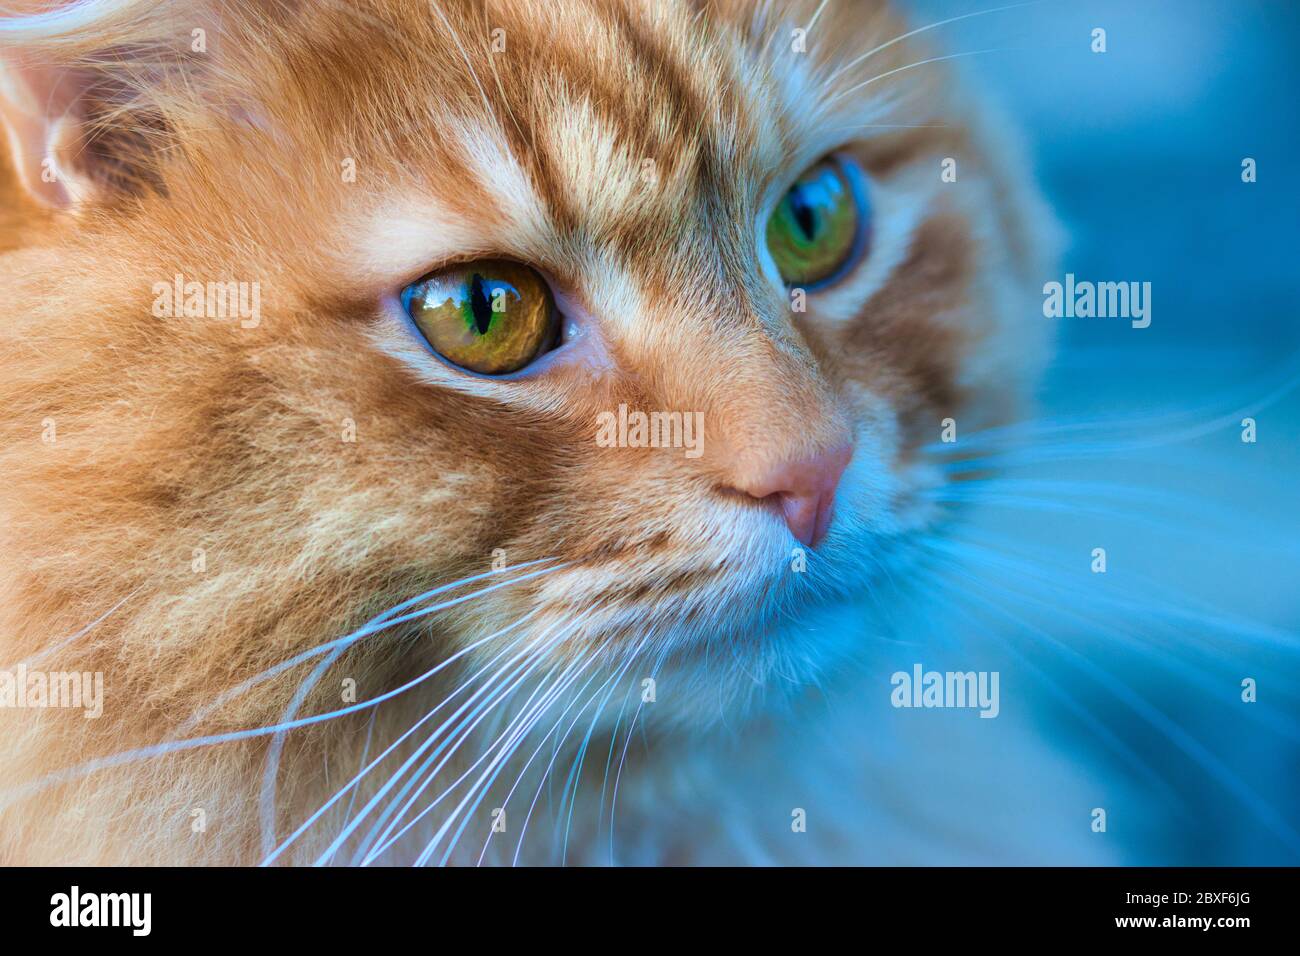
[731, 574]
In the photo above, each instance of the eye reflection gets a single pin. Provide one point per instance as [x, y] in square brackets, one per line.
[492, 316]
[817, 232]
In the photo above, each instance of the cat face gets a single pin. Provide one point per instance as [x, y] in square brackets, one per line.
[266, 481]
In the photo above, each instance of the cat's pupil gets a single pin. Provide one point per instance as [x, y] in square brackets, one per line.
[479, 305]
[805, 216]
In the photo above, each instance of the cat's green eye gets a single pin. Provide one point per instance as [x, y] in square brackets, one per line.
[492, 316]
[817, 232]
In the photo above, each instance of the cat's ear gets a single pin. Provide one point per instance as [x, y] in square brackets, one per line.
[43, 128]
[77, 119]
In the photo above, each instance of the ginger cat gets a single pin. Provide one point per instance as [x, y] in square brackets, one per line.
[312, 309]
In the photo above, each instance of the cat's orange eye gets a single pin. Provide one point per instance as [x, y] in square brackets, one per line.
[492, 316]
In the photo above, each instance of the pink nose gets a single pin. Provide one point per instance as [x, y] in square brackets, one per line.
[805, 489]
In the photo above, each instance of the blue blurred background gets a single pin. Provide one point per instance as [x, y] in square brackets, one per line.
[1139, 152]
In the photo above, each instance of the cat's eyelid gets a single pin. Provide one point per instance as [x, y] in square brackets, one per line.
[777, 186]
[460, 261]
[405, 241]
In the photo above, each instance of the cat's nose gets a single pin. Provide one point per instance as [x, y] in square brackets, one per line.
[805, 490]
